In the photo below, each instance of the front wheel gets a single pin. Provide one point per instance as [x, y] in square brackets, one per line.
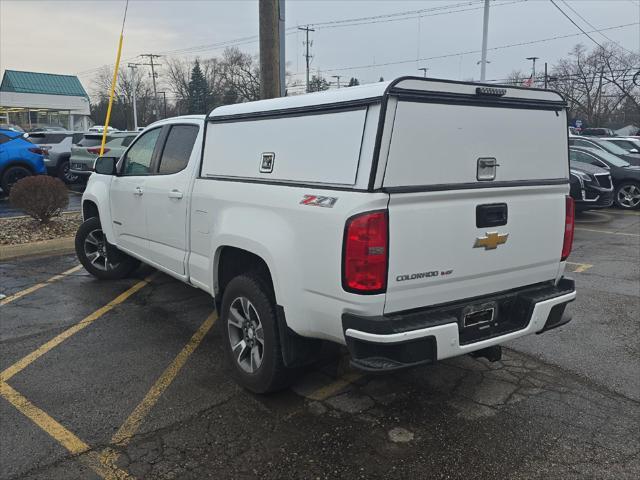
[628, 195]
[11, 176]
[99, 257]
[251, 335]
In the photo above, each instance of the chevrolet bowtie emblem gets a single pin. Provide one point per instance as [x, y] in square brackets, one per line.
[491, 240]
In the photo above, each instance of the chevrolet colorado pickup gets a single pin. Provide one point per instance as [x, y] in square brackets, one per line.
[411, 221]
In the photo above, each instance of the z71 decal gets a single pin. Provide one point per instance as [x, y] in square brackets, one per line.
[318, 201]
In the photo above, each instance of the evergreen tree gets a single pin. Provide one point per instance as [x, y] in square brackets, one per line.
[198, 91]
[353, 82]
[381, 79]
[318, 83]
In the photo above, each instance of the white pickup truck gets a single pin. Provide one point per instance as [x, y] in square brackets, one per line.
[411, 221]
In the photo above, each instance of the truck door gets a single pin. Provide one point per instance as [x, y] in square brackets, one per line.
[127, 194]
[167, 194]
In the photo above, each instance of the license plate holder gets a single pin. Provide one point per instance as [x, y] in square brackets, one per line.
[479, 316]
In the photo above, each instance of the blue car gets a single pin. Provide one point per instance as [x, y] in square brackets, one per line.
[19, 158]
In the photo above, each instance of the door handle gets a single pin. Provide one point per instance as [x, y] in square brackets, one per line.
[175, 193]
[138, 191]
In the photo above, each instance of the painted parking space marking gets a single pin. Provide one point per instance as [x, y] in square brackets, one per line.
[38, 286]
[20, 365]
[580, 267]
[128, 429]
[58, 432]
[334, 387]
[609, 232]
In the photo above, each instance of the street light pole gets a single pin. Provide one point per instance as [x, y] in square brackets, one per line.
[424, 71]
[533, 69]
[133, 67]
[337, 77]
[485, 38]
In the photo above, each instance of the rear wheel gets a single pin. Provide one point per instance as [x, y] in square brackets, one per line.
[251, 335]
[99, 257]
[628, 195]
[64, 173]
[11, 176]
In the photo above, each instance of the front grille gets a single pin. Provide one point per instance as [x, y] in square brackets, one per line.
[604, 180]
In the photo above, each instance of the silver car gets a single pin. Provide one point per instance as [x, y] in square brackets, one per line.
[57, 150]
[87, 150]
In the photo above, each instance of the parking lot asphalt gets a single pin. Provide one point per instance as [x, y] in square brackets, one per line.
[127, 379]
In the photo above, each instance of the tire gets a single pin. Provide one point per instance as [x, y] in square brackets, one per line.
[11, 175]
[100, 258]
[64, 174]
[247, 310]
[627, 195]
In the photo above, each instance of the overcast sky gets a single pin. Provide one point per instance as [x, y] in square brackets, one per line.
[76, 37]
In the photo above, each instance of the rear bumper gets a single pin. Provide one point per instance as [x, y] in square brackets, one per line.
[395, 341]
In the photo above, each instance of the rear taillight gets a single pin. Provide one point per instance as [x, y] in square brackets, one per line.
[96, 150]
[569, 224]
[364, 266]
[37, 151]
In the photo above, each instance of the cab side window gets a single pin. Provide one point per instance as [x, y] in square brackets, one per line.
[177, 148]
[138, 158]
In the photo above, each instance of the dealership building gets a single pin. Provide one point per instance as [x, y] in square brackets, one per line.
[30, 100]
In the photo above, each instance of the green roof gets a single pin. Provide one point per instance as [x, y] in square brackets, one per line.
[43, 83]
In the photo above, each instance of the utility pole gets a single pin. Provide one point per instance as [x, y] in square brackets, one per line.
[337, 77]
[270, 68]
[133, 67]
[281, 26]
[545, 75]
[306, 55]
[153, 78]
[424, 71]
[533, 69]
[485, 39]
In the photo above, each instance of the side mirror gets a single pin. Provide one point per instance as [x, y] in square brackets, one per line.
[105, 165]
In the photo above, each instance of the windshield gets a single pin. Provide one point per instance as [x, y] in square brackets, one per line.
[609, 157]
[40, 138]
[91, 141]
[612, 147]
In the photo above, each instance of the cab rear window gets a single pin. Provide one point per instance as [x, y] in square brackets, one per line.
[42, 138]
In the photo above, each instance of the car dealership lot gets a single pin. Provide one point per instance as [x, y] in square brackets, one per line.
[128, 379]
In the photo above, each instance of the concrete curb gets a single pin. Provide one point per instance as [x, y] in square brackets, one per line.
[57, 246]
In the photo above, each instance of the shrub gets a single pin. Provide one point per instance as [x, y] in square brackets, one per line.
[40, 197]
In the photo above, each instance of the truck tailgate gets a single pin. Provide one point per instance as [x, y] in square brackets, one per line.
[447, 238]
[432, 254]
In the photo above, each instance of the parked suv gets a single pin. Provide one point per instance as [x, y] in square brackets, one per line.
[624, 176]
[57, 151]
[355, 216]
[597, 132]
[591, 186]
[19, 158]
[85, 152]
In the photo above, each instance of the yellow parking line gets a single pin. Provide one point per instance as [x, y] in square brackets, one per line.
[608, 231]
[581, 267]
[57, 340]
[131, 425]
[329, 390]
[38, 286]
[59, 433]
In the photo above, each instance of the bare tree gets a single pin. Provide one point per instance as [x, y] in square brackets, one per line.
[240, 73]
[598, 85]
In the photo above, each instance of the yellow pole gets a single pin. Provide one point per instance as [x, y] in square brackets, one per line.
[111, 94]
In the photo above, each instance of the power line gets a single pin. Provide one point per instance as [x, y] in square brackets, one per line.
[591, 25]
[577, 26]
[468, 52]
